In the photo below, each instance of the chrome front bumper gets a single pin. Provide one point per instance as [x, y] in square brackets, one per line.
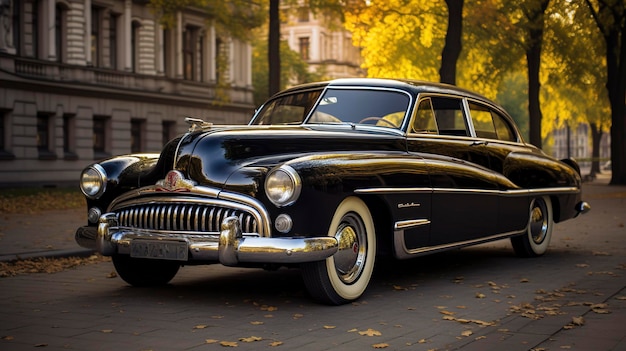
[229, 247]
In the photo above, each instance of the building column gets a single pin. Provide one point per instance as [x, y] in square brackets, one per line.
[179, 46]
[50, 30]
[315, 45]
[88, 57]
[128, 18]
[160, 50]
[211, 54]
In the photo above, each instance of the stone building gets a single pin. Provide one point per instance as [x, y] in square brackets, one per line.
[576, 143]
[323, 43]
[81, 80]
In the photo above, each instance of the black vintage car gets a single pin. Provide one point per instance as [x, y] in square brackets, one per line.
[326, 177]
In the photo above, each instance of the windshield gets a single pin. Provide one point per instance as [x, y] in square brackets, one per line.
[383, 108]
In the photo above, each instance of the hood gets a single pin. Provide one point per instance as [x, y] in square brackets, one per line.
[239, 157]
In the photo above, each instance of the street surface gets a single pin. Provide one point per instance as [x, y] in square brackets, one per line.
[480, 298]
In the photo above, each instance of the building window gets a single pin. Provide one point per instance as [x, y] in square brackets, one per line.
[5, 154]
[69, 137]
[166, 52]
[34, 29]
[25, 28]
[304, 48]
[220, 64]
[137, 135]
[3, 146]
[44, 136]
[60, 20]
[168, 130]
[113, 40]
[96, 27]
[100, 137]
[303, 14]
[190, 49]
[17, 10]
[134, 42]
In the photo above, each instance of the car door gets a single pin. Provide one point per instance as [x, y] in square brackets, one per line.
[498, 139]
[465, 193]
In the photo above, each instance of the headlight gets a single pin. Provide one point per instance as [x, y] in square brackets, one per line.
[282, 186]
[93, 181]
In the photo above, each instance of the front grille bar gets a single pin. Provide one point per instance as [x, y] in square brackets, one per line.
[188, 217]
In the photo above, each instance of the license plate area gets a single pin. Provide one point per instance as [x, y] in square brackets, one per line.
[159, 249]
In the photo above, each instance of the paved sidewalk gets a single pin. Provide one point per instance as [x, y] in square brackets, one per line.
[44, 234]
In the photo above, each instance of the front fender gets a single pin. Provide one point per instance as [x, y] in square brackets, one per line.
[329, 178]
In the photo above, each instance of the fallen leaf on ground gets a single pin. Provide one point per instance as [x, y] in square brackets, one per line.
[370, 332]
[229, 343]
[380, 346]
[578, 321]
[251, 339]
[46, 265]
[276, 343]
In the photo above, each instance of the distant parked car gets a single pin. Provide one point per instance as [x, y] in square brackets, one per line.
[325, 177]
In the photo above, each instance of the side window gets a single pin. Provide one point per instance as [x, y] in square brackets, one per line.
[490, 124]
[289, 109]
[449, 116]
[483, 122]
[503, 128]
[424, 121]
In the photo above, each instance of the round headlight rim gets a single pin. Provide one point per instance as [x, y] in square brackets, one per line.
[103, 179]
[296, 184]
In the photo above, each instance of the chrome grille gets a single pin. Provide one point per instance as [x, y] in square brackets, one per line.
[182, 217]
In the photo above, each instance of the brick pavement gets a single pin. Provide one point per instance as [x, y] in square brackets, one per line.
[480, 298]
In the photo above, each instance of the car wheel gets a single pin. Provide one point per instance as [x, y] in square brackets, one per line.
[144, 272]
[343, 277]
[536, 240]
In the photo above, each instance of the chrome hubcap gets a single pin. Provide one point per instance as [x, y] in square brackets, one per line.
[538, 222]
[350, 258]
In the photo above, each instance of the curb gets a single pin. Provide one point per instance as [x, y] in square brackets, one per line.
[47, 254]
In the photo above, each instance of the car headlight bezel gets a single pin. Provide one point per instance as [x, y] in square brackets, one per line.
[93, 181]
[283, 186]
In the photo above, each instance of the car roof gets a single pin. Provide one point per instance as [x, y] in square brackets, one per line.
[413, 86]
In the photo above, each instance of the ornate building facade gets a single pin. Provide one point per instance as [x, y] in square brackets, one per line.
[81, 80]
[325, 45]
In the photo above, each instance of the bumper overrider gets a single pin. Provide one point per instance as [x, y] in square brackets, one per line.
[230, 247]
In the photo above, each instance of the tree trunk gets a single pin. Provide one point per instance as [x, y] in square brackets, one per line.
[596, 136]
[616, 85]
[453, 46]
[274, 48]
[533, 60]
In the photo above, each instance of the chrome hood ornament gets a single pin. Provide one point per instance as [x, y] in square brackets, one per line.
[175, 181]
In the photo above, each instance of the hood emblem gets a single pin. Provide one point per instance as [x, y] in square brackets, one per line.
[175, 182]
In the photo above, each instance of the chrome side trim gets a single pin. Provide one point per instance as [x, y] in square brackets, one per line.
[514, 192]
[410, 223]
[402, 252]
[392, 190]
